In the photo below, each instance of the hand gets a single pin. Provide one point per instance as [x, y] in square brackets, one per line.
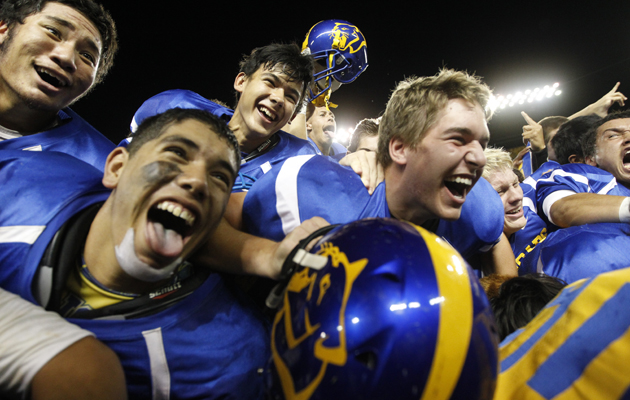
[533, 133]
[601, 106]
[518, 160]
[287, 244]
[365, 164]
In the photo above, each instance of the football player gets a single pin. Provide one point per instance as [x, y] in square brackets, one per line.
[51, 54]
[108, 251]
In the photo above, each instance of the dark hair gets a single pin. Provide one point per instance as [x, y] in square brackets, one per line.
[365, 127]
[521, 298]
[15, 11]
[153, 127]
[297, 66]
[589, 141]
[549, 124]
[568, 140]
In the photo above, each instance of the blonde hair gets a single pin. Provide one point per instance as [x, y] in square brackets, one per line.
[416, 103]
[497, 160]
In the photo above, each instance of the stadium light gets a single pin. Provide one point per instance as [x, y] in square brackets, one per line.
[520, 97]
[343, 135]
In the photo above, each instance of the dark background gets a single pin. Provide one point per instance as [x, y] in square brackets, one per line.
[193, 45]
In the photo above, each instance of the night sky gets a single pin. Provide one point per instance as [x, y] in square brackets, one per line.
[191, 45]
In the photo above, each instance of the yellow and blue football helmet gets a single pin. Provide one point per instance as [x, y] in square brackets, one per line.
[394, 313]
[340, 49]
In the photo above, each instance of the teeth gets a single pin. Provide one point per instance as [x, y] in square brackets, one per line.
[460, 180]
[42, 71]
[267, 113]
[177, 211]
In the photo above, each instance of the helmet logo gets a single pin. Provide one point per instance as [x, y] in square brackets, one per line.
[327, 347]
[347, 37]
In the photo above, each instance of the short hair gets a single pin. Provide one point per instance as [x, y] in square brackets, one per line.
[365, 128]
[153, 127]
[297, 66]
[497, 160]
[590, 139]
[548, 124]
[568, 140]
[415, 105]
[521, 298]
[15, 11]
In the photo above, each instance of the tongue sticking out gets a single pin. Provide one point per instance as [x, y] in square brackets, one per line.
[166, 242]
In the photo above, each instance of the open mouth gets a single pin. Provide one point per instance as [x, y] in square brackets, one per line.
[329, 130]
[458, 186]
[626, 159]
[171, 226]
[267, 113]
[515, 211]
[50, 79]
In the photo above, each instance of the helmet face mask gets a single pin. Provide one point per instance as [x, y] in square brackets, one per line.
[383, 319]
[340, 50]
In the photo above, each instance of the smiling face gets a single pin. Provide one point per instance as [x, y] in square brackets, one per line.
[506, 183]
[321, 128]
[172, 191]
[612, 149]
[268, 99]
[48, 61]
[444, 166]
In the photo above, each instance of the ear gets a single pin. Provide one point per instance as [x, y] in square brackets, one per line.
[114, 166]
[590, 161]
[309, 128]
[398, 151]
[239, 82]
[573, 158]
[4, 31]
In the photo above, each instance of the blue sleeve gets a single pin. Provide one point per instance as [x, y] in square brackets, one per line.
[177, 98]
[301, 188]
[480, 225]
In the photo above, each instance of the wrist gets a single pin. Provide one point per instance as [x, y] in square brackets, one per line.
[624, 210]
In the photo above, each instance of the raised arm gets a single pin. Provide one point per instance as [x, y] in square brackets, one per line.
[587, 208]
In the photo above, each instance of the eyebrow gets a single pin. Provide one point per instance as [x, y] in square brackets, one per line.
[467, 132]
[277, 80]
[91, 43]
[181, 139]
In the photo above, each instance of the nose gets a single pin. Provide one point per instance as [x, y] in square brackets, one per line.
[475, 156]
[64, 55]
[277, 96]
[194, 179]
[514, 195]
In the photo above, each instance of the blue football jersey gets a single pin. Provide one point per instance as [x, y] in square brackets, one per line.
[577, 347]
[530, 183]
[524, 241]
[308, 186]
[584, 251]
[286, 145]
[209, 345]
[575, 178]
[73, 136]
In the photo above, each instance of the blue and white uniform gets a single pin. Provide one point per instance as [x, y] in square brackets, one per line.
[308, 186]
[208, 345]
[524, 241]
[576, 347]
[73, 136]
[530, 183]
[286, 145]
[575, 178]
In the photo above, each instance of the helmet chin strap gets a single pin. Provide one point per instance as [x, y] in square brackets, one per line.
[131, 264]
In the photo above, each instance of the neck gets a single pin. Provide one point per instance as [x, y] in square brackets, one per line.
[400, 199]
[26, 120]
[248, 140]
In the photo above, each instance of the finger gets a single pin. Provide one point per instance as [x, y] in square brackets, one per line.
[371, 157]
[615, 88]
[528, 118]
